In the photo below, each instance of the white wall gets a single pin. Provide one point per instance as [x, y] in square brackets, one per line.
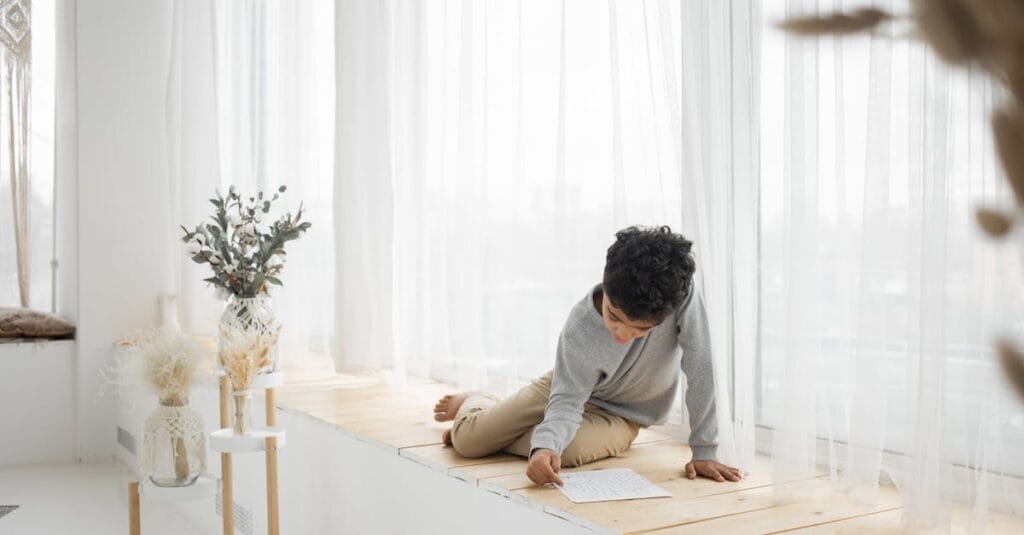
[122, 49]
[36, 380]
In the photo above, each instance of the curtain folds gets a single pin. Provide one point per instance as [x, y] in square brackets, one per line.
[879, 298]
[368, 51]
[720, 195]
[193, 156]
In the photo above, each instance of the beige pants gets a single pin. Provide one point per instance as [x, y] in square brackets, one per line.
[485, 426]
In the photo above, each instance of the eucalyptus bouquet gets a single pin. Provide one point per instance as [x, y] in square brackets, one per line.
[245, 254]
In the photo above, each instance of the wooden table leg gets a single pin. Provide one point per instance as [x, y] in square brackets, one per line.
[226, 485]
[273, 518]
[134, 520]
[271, 409]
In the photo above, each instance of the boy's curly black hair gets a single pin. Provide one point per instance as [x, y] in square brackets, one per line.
[648, 272]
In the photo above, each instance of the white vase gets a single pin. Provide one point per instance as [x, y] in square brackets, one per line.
[169, 312]
[252, 315]
[174, 445]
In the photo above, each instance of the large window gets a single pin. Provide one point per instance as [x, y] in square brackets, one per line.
[532, 132]
[880, 299]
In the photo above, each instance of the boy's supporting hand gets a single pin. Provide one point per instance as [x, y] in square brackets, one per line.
[544, 467]
[711, 470]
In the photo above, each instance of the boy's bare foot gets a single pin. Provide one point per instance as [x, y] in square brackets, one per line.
[448, 406]
[446, 437]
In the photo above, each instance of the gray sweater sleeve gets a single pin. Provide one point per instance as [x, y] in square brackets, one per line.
[695, 341]
[571, 385]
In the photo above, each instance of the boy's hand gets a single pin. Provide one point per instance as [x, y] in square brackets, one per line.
[711, 470]
[544, 467]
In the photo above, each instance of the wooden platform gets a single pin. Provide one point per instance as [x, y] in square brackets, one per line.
[399, 419]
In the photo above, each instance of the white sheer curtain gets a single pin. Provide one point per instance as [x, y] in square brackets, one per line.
[487, 152]
[879, 298]
[250, 103]
[720, 180]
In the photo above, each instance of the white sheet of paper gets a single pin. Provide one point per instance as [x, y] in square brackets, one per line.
[608, 485]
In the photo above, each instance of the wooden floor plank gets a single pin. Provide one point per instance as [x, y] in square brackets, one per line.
[478, 472]
[891, 522]
[647, 436]
[340, 397]
[403, 436]
[517, 466]
[660, 471]
[649, 515]
[807, 510]
[662, 461]
[881, 523]
[657, 461]
[445, 458]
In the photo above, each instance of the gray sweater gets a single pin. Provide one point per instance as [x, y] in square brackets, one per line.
[637, 380]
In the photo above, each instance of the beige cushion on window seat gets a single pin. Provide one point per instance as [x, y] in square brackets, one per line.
[25, 323]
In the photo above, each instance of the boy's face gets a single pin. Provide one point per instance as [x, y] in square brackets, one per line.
[622, 328]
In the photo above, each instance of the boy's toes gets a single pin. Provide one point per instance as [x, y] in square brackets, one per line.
[448, 406]
[446, 437]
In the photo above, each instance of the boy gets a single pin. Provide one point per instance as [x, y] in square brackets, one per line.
[616, 370]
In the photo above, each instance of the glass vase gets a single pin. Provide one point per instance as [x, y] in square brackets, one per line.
[251, 315]
[242, 419]
[174, 444]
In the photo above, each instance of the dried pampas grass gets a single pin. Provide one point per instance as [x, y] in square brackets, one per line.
[1013, 365]
[165, 361]
[994, 222]
[1001, 20]
[1008, 127]
[243, 354]
[861, 20]
[950, 27]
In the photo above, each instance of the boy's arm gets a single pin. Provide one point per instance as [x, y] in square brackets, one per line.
[571, 385]
[695, 341]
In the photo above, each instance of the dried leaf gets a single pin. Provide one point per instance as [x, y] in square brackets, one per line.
[1008, 126]
[950, 28]
[994, 222]
[1015, 75]
[999, 20]
[1013, 365]
[861, 20]
[1000, 23]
